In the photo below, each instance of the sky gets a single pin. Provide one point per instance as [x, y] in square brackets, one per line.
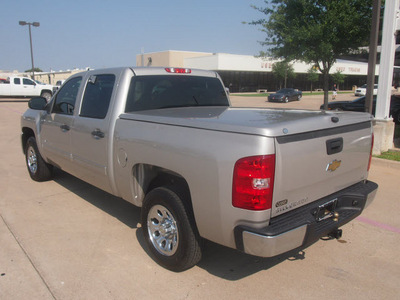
[110, 33]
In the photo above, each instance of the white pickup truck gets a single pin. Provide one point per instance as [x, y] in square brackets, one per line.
[262, 181]
[25, 87]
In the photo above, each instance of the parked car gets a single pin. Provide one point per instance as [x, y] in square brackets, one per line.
[285, 95]
[3, 80]
[359, 105]
[362, 91]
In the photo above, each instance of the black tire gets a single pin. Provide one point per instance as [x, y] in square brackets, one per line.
[286, 99]
[38, 169]
[169, 230]
[396, 118]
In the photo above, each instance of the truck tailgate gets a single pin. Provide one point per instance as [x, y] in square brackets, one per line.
[316, 164]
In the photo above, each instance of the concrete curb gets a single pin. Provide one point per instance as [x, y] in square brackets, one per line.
[386, 163]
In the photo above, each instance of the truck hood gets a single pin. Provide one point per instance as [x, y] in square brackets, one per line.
[256, 121]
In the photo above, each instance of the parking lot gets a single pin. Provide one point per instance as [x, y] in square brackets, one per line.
[64, 239]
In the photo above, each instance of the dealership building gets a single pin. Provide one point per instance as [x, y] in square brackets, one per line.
[246, 73]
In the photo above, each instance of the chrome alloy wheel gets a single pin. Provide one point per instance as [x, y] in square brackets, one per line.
[163, 230]
[32, 160]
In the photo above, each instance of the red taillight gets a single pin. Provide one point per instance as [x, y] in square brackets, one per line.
[178, 70]
[370, 154]
[253, 182]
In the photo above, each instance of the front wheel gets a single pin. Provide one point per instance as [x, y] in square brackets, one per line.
[396, 118]
[46, 95]
[38, 169]
[169, 230]
[286, 99]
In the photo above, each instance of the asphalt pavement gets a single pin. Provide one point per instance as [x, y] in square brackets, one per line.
[64, 239]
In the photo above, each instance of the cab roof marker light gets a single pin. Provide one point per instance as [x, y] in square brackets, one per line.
[178, 70]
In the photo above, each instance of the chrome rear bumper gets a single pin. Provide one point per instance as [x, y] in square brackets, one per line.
[302, 226]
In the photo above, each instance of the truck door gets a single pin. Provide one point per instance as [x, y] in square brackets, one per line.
[29, 88]
[16, 87]
[56, 126]
[91, 130]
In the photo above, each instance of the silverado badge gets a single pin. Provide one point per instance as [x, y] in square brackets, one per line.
[332, 166]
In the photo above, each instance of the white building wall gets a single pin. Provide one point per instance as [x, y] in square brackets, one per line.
[232, 62]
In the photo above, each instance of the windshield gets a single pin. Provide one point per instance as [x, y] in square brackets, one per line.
[283, 91]
[165, 91]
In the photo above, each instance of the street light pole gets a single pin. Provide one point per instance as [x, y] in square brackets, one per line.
[36, 24]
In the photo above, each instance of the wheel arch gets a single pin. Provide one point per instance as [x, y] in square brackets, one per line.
[148, 177]
[26, 134]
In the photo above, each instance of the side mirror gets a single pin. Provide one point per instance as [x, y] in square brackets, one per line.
[37, 103]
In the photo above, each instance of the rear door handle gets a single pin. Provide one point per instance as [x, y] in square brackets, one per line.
[98, 134]
[64, 128]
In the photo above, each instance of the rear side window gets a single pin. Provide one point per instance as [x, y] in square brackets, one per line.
[17, 81]
[163, 91]
[66, 97]
[96, 99]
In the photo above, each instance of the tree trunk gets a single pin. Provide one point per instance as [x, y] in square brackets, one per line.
[326, 88]
[285, 77]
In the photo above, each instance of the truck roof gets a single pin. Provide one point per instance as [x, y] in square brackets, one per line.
[144, 71]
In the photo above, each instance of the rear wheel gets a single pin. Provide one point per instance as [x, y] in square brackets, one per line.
[38, 169]
[169, 230]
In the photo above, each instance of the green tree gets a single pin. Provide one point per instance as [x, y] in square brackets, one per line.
[315, 31]
[283, 70]
[36, 70]
[312, 76]
[338, 78]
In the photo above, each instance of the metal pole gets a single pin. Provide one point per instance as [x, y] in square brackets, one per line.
[387, 59]
[33, 65]
[35, 24]
[373, 43]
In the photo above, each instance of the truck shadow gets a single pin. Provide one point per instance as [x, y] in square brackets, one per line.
[217, 260]
[233, 265]
[114, 206]
[230, 264]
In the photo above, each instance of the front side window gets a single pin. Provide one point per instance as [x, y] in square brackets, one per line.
[66, 97]
[163, 91]
[97, 97]
[27, 81]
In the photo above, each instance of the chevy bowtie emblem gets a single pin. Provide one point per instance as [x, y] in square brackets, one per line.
[332, 166]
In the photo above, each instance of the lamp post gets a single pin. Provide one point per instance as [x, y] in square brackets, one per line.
[36, 24]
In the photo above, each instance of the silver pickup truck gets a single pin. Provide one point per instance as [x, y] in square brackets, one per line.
[262, 181]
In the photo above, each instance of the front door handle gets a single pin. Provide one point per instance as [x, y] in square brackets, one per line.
[98, 134]
[64, 128]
